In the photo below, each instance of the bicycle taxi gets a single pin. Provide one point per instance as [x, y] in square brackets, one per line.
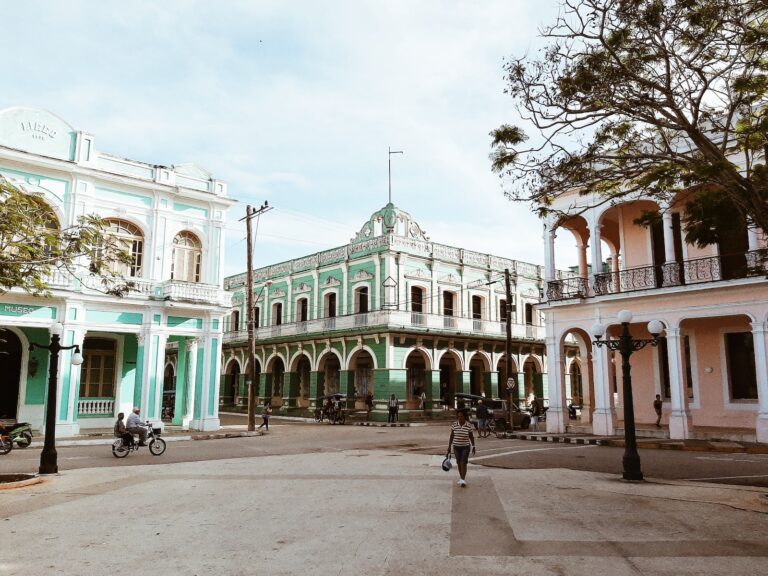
[332, 407]
[498, 413]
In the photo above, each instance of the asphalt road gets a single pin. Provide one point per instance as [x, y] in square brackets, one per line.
[297, 438]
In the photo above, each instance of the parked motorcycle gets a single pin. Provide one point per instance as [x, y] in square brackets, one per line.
[6, 444]
[156, 444]
[20, 433]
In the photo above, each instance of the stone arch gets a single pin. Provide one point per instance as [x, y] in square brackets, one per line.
[424, 352]
[361, 363]
[358, 350]
[322, 357]
[454, 355]
[15, 361]
[329, 365]
[479, 367]
[451, 376]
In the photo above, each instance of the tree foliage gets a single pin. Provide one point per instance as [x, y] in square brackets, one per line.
[33, 247]
[645, 96]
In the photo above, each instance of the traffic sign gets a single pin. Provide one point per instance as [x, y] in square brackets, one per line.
[511, 383]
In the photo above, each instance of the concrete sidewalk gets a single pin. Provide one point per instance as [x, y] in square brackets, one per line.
[375, 512]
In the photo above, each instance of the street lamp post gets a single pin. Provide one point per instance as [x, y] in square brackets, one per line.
[626, 345]
[48, 457]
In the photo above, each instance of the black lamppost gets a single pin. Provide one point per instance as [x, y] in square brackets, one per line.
[48, 457]
[626, 345]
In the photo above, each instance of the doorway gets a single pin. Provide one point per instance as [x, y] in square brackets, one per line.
[10, 368]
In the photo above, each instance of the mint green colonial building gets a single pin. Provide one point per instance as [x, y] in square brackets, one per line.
[391, 312]
[157, 348]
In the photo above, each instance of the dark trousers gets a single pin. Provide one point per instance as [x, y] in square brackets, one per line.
[392, 415]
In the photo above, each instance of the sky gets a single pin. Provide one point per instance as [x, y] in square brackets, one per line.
[295, 103]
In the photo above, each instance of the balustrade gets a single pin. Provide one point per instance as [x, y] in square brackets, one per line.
[96, 407]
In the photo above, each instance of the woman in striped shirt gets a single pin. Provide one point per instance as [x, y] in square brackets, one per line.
[461, 440]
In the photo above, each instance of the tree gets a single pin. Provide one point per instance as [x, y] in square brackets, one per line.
[32, 247]
[646, 96]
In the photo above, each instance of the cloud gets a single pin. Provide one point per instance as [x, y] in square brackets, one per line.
[296, 103]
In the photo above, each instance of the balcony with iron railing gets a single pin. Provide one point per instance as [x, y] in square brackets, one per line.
[392, 320]
[168, 290]
[695, 271]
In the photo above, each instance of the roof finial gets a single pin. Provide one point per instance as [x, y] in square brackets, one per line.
[389, 157]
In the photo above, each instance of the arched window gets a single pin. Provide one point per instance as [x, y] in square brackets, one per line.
[131, 239]
[187, 258]
[361, 300]
[302, 310]
[277, 313]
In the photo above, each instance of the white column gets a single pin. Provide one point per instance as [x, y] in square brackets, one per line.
[557, 415]
[679, 418]
[189, 416]
[549, 254]
[433, 298]
[752, 238]
[289, 316]
[401, 296]
[315, 296]
[597, 250]
[615, 262]
[583, 268]
[761, 370]
[159, 373]
[602, 418]
[376, 293]
[266, 314]
[344, 291]
[669, 239]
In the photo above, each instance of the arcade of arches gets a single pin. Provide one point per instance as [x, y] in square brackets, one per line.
[293, 377]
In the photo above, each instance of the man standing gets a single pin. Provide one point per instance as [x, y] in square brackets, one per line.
[482, 416]
[657, 407]
[134, 425]
[535, 412]
[392, 408]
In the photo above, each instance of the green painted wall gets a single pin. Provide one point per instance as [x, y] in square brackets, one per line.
[37, 383]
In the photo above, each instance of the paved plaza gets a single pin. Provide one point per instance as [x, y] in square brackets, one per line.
[346, 511]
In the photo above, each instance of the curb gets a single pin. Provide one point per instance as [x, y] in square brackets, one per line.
[642, 444]
[557, 439]
[21, 483]
[107, 440]
[382, 424]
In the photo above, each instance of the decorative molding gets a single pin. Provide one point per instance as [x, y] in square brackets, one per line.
[331, 281]
[362, 275]
[277, 293]
[417, 274]
[302, 288]
[450, 279]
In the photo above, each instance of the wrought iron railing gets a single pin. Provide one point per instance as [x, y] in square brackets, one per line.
[683, 273]
[567, 288]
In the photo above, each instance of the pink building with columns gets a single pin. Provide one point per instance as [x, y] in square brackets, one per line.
[710, 367]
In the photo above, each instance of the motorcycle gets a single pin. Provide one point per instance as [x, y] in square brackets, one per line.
[6, 444]
[156, 444]
[20, 433]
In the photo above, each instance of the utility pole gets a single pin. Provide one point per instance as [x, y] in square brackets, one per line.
[250, 214]
[508, 347]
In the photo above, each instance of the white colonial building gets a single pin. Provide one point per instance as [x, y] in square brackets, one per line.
[158, 347]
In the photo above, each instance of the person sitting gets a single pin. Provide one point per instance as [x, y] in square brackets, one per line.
[120, 431]
[134, 425]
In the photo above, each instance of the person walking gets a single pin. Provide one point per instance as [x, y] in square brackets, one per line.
[265, 413]
[461, 440]
[423, 401]
[368, 405]
[535, 412]
[392, 409]
[657, 404]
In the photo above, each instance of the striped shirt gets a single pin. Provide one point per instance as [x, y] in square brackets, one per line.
[461, 433]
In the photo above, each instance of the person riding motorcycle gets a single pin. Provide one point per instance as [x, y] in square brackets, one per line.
[120, 430]
[134, 425]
